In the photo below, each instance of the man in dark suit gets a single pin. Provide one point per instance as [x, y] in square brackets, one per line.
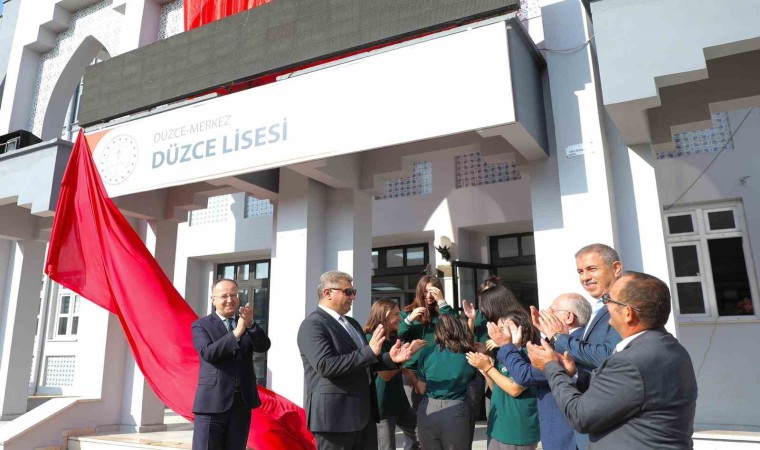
[644, 395]
[339, 393]
[226, 393]
[556, 433]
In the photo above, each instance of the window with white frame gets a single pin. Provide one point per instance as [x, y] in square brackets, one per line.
[67, 315]
[710, 261]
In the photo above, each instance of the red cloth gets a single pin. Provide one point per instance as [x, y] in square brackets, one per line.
[95, 252]
[202, 12]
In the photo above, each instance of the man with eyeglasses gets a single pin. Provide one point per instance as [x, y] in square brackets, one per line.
[339, 392]
[644, 395]
[225, 341]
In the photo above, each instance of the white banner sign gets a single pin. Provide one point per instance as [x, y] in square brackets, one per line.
[442, 86]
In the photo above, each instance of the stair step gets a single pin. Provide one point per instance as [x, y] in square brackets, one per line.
[171, 440]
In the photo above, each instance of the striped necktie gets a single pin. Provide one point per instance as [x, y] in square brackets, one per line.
[228, 324]
[351, 332]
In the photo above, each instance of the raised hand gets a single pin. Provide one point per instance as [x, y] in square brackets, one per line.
[542, 354]
[516, 331]
[498, 335]
[550, 324]
[399, 353]
[378, 337]
[436, 293]
[416, 345]
[491, 345]
[535, 316]
[246, 316]
[469, 310]
[479, 361]
[568, 364]
[417, 313]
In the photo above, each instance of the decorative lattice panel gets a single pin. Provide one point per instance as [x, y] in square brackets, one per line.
[219, 210]
[529, 9]
[255, 207]
[707, 140]
[172, 19]
[59, 370]
[471, 170]
[420, 183]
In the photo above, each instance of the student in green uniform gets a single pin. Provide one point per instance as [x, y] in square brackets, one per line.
[513, 416]
[418, 321]
[392, 402]
[443, 417]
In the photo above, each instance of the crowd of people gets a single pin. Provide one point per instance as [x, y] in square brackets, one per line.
[603, 374]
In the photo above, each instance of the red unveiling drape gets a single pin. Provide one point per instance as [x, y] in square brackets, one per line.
[202, 12]
[96, 253]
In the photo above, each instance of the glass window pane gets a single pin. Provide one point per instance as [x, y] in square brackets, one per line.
[262, 271]
[374, 259]
[685, 261]
[690, 300]
[394, 257]
[389, 284]
[721, 220]
[528, 245]
[507, 247]
[229, 272]
[415, 256]
[680, 224]
[74, 325]
[65, 301]
[243, 296]
[63, 323]
[243, 272]
[523, 281]
[76, 304]
[729, 275]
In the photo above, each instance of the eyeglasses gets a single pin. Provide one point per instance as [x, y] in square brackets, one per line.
[348, 291]
[607, 299]
[226, 296]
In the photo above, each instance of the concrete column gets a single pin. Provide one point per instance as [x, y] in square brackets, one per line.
[572, 195]
[297, 262]
[141, 23]
[349, 242]
[20, 305]
[142, 411]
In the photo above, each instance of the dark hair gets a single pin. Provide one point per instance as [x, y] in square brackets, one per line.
[521, 318]
[496, 302]
[488, 283]
[419, 297]
[452, 333]
[220, 280]
[608, 254]
[378, 314]
[650, 295]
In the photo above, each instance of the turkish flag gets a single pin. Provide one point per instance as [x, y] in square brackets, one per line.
[95, 252]
[201, 12]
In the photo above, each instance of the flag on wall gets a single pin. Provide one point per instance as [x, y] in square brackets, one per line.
[202, 12]
[95, 252]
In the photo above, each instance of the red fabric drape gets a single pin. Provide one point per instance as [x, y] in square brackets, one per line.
[96, 253]
[201, 12]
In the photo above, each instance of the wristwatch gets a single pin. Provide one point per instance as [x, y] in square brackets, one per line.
[555, 336]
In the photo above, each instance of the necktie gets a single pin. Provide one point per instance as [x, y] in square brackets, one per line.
[351, 332]
[228, 324]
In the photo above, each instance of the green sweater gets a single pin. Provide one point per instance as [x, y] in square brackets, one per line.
[419, 330]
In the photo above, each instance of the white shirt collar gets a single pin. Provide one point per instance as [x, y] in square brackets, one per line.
[624, 343]
[572, 330]
[596, 306]
[331, 312]
[222, 317]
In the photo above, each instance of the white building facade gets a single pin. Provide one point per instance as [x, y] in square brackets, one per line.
[512, 139]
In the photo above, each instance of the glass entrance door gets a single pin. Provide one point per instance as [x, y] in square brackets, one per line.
[466, 277]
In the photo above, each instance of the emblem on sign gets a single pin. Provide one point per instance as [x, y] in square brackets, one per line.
[117, 159]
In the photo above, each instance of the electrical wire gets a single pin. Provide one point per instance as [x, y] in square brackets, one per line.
[725, 145]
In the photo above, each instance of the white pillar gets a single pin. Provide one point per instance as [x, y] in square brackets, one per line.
[297, 263]
[20, 306]
[571, 195]
[317, 228]
[142, 411]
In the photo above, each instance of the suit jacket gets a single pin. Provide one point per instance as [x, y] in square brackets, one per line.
[599, 343]
[556, 432]
[339, 386]
[224, 364]
[643, 396]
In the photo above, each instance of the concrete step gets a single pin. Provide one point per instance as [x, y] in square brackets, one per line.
[162, 440]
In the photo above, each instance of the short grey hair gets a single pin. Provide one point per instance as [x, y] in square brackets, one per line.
[578, 305]
[332, 279]
[608, 254]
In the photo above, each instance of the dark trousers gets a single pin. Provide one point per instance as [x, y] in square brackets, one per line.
[223, 431]
[365, 439]
[386, 431]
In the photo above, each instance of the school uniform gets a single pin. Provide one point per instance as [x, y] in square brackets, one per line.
[443, 417]
[512, 421]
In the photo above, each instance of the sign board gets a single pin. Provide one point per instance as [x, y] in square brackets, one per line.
[440, 86]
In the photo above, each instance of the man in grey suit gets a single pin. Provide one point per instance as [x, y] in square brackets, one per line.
[339, 392]
[644, 395]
